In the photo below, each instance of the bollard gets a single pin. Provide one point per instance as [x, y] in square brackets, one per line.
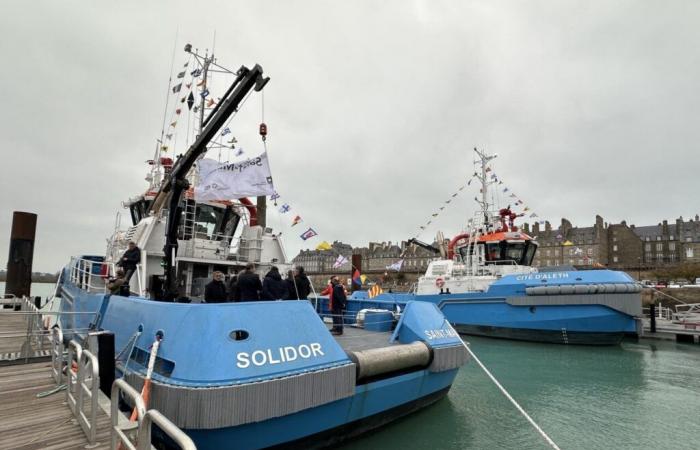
[103, 344]
[19, 261]
[652, 318]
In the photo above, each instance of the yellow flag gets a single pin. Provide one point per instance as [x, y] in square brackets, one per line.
[324, 246]
[567, 243]
[363, 278]
[374, 291]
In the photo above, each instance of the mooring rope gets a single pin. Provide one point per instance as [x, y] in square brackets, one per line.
[509, 397]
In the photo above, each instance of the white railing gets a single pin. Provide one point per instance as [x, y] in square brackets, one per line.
[85, 274]
[83, 382]
[57, 355]
[136, 435]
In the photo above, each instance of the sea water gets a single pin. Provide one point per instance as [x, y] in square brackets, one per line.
[37, 289]
[637, 395]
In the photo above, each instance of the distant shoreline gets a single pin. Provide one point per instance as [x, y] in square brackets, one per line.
[36, 277]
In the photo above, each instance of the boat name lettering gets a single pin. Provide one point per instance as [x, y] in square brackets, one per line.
[279, 355]
[239, 167]
[441, 334]
[543, 276]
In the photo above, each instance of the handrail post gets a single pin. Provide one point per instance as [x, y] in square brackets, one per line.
[75, 352]
[176, 434]
[88, 423]
[57, 355]
[117, 433]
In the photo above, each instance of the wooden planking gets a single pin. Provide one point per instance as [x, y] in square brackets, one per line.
[28, 422]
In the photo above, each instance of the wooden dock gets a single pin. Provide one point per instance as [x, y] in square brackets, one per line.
[28, 422]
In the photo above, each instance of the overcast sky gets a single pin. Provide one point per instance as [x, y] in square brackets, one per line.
[373, 109]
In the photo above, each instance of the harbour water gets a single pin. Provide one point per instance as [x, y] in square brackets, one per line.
[40, 289]
[639, 395]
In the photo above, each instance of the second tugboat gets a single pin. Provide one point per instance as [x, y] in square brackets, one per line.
[485, 285]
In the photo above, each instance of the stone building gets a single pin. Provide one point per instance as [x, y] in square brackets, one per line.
[569, 245]
[617, 246]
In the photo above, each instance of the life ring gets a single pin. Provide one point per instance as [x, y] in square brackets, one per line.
[439, 282]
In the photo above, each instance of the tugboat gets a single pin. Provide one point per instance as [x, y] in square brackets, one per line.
[248, 374]
[485, 285]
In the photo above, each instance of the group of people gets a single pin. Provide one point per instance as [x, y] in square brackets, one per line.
[247, 286]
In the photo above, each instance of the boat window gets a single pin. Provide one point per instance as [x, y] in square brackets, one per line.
[493, 252]
[529, 254]
[515, 252]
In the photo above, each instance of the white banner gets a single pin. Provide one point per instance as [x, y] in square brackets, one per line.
[227, 181]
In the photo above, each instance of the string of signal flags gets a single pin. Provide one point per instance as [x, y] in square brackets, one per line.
[502, 189]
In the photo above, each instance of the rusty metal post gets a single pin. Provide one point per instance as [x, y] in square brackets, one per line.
[19, 262]
[262, 211]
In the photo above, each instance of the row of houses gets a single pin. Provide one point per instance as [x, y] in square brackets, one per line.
[617, 246]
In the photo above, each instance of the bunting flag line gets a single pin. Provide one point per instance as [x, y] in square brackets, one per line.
[177, 88]
[210, 103]
[178, 111]
[190, 101]
[363, 278]
[274, 196]
[181, 74]
[239, 152]
[173, 124]
[296, 220]
[308, 234]
[196, 73]
[204, 93]
[285, 208]
[186, 64]
[225, 131]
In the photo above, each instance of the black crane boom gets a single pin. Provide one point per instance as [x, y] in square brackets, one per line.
[176, 184]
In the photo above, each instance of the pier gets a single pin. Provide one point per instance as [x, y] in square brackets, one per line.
[50, 394]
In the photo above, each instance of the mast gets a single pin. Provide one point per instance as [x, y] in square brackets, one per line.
[173, 188]
[483, 160]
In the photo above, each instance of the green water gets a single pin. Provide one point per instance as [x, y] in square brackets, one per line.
[642, 395]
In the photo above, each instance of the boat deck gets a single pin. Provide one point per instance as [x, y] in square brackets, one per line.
[28, 422]
[356, 339]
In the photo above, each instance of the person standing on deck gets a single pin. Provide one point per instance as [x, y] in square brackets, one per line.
[303, 285]
[249, 284]
[215, 290]
[274, 288]
[291, 286]
[130, 258]
[338, 301]
[232, 288]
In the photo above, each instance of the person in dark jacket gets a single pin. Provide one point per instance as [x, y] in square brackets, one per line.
[249, 284]
[232, 288]
[274, 288]
[303, 285]
[338, 302]
[118, 285]
[215, 290]
[130, 258]
[291, 288]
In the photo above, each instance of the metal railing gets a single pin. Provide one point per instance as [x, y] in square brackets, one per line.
[92, 276]
[88, 388]
[136, 435]
[75, 351]
[57, 355]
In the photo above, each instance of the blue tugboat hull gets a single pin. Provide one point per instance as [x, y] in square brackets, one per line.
[267, 374]
[587, 307]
